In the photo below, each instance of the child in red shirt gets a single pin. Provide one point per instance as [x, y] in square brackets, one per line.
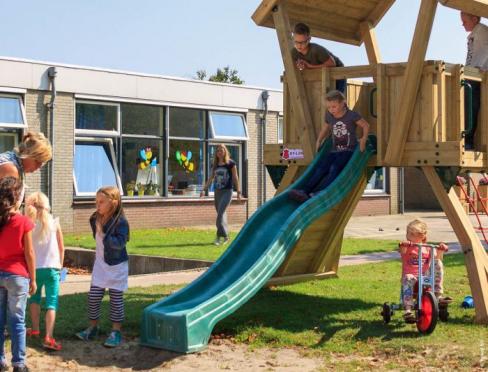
[409, 252]
[17, 266]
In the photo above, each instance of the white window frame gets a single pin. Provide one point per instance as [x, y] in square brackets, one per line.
[93, 132]
[236, 138]
[20, 98]
[278, 126]
[378, 191]
[113, 160]
[239, 166]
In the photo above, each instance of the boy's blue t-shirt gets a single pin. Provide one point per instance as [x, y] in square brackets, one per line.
[343, 130]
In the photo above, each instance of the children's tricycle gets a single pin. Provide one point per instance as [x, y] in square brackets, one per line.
[427, 308]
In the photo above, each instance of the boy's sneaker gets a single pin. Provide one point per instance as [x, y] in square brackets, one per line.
[88, 334]
[409, 317]
[114, 339]
[51, 344]
[21, 369]
[298, 195]
[217, 241]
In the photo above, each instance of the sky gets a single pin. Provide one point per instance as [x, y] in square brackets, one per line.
[177, 38]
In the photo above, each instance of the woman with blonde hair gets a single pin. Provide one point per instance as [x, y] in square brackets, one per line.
[47, 240]
[31, 154]
[223, 176]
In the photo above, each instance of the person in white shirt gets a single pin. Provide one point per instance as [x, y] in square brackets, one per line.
[477, 56]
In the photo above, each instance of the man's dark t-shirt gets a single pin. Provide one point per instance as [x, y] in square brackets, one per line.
[316, 55]
[343, 130]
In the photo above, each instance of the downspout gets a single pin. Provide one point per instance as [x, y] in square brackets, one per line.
[51, 74]
[402, 190]
[264, 114]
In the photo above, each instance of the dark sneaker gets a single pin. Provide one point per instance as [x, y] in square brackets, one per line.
[88, 334]
[21, 369]
[298, 195]
[409, 317]
[114, 339]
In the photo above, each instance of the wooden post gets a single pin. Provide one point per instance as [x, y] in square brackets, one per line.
[484, 113]
[296, 86]
[475, 256]
[411, 82]
[369, 37]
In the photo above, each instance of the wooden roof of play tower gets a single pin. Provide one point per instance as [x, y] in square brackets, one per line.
[340, 20]
[328, 19]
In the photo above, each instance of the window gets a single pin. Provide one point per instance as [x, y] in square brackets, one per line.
[280, 129]
[186, 123]
[142, 149]
[142, 166]
[186, 152]
[227, 126]
[12, 111]
[7, 141]
[235, 155]
[376, 183]
[185, 168]
[97, 118]
[142, 119]
[94, 166]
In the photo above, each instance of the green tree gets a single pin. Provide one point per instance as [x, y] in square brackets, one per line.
[223, 75]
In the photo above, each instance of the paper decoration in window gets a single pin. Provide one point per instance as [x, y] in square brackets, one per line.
[184, 159]
[147, 158]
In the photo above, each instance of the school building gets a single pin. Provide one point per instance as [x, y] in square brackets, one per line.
[152, 136]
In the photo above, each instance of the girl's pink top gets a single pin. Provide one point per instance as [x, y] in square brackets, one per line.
[410, 259]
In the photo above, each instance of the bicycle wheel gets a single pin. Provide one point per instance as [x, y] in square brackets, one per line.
[427, 316]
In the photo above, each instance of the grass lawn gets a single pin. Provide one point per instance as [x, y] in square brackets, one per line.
[337, 319]
[198, 244]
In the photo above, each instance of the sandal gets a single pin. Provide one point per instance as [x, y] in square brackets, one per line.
[51, 344]
[32, 333]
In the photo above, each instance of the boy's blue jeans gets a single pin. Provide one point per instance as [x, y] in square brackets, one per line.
[327, 171]
[13, 299]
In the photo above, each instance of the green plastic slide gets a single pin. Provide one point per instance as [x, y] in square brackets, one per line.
[183, 321]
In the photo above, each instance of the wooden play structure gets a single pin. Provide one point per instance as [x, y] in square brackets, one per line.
[415, 109]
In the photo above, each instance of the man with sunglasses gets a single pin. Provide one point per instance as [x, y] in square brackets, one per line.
[309, 55]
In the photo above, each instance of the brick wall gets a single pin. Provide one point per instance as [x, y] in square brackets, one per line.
[38, 119]
[373, 206]
[418, 193]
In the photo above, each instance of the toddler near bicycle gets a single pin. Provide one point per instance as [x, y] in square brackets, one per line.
[409, 252]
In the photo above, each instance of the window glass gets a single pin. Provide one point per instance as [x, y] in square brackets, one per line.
[142, 119]
[185, 168]
[377, 181]
[141, 166]
[280, 129]
[96, 117]
[11, 110]
[226, 125]
[7, 141]
[94, 166]
[186, 123]
[234, 152]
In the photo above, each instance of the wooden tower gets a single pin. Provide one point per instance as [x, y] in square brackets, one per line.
[416, 110]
